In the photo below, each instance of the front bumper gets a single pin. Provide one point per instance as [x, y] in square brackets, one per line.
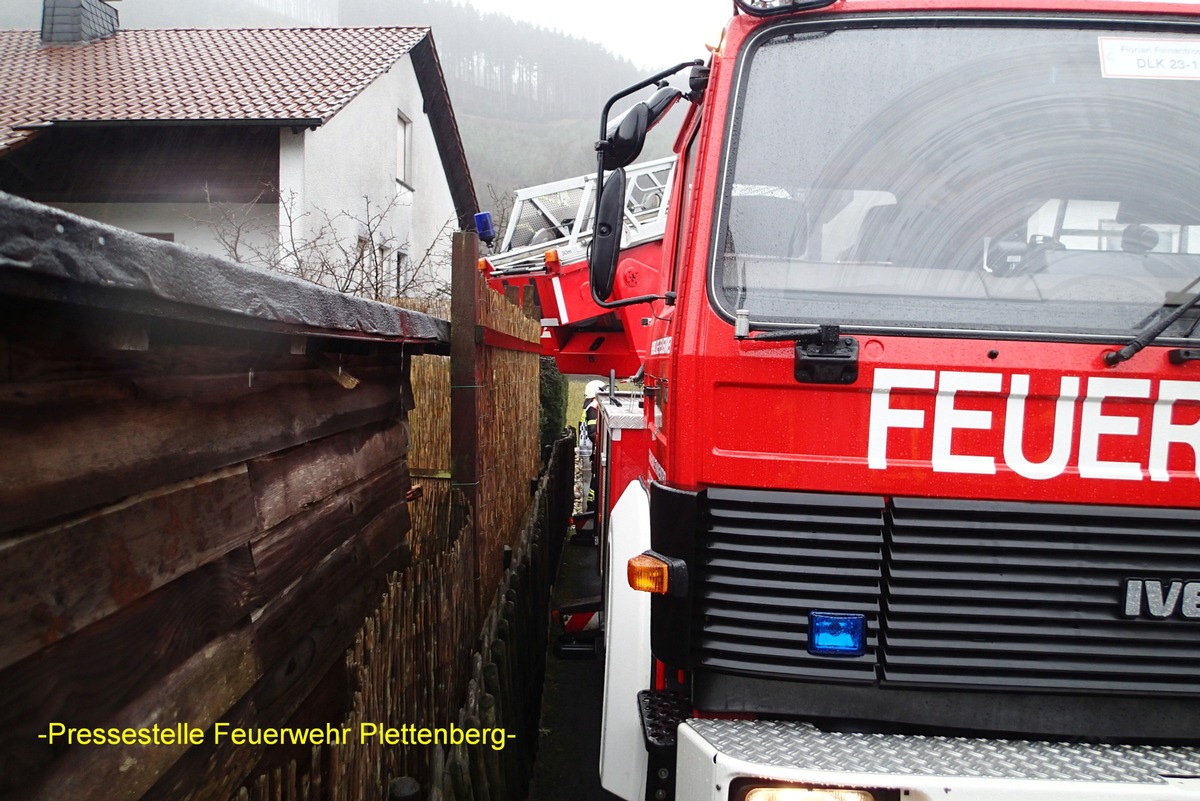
[715, 753]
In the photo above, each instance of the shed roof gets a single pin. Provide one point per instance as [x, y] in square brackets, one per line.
[49, 254]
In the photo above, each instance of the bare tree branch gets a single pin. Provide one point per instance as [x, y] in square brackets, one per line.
[369, 261]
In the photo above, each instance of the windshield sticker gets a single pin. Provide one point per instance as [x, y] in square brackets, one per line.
[1162, 59]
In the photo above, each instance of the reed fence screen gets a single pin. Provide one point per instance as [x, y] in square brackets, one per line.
[459, 637]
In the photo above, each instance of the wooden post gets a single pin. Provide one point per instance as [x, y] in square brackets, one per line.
[465, 382]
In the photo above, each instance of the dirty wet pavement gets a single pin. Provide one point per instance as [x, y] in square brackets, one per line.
[567, 767]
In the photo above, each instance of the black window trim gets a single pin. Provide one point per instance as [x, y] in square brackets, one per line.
[1140, 22]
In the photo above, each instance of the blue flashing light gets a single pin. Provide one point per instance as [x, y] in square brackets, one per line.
[483, 224]
[837, 634]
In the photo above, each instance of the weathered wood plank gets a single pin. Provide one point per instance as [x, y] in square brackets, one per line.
[75, 391]
[76, 355]
[328, 607]
[212, 770]
[50, 342]
[199, 692]
[60, 463]
[287, 482]
[326, 705]
[178, 373]
[5, 360]
[327, 610]
[299, 544]
[58, 580]
[388, 531]
[84, 679]
[293, 615]
[230, 387]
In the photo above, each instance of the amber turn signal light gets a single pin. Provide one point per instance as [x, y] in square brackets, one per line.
[649, 574]
[652, 572]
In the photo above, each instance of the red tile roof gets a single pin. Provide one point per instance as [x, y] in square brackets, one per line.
[204, 75]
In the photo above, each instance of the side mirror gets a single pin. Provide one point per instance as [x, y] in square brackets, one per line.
[626, 137]
[660, 103]
[619, 144]
[606, 237]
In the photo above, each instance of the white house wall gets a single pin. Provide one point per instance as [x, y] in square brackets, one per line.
[196, 225]
[353, 158]
[291, 184]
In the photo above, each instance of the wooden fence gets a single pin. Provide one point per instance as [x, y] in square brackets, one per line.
[203, 483]
[200, 506]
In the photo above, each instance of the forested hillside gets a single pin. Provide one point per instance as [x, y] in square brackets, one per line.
[527, 99]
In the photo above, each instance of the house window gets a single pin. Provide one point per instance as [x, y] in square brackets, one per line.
[403, 150]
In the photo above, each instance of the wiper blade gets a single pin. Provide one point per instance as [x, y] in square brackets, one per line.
[1115, 357]
[812, 332]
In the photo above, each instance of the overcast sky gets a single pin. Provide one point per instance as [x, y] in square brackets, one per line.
[651, 33]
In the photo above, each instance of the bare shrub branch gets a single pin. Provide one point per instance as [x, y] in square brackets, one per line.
[356, 252]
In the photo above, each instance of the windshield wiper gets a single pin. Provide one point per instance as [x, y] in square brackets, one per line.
[823, 355]
[810, 334]
[1115, 357]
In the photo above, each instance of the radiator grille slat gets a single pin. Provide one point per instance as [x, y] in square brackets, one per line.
[995, 555]
[991, 629]
[995, 595]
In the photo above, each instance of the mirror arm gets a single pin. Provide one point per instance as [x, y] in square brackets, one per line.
[653, 79]
[602, 146]
[616, 304]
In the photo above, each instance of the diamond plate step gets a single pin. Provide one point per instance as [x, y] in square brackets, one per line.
[802, 746]
[661, 713]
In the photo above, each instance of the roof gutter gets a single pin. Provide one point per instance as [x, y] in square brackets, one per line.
[296, 122]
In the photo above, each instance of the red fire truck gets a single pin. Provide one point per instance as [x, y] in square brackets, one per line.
[919, 515]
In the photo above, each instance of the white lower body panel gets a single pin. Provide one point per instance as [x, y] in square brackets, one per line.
[627, 658]
[715, 753]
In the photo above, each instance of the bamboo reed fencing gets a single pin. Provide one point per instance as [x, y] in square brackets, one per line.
[429, 452]
[509, 450]
[414, 660]
[433, 654]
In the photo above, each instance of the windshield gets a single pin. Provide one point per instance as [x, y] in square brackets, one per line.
[957, 178]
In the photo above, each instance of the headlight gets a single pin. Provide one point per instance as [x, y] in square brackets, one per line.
[806, 794]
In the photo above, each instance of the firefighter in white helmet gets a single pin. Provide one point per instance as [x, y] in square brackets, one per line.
[587, 441]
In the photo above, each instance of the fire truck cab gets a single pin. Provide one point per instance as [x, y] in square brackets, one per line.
[919, 515]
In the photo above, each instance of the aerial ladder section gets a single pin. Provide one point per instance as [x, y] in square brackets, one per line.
[545, 251]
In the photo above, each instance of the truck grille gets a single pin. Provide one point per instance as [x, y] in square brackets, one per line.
[956, 594]
[770, 557]
[1031, 595]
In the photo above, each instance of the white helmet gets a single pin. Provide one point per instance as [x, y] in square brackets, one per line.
[592, 389]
